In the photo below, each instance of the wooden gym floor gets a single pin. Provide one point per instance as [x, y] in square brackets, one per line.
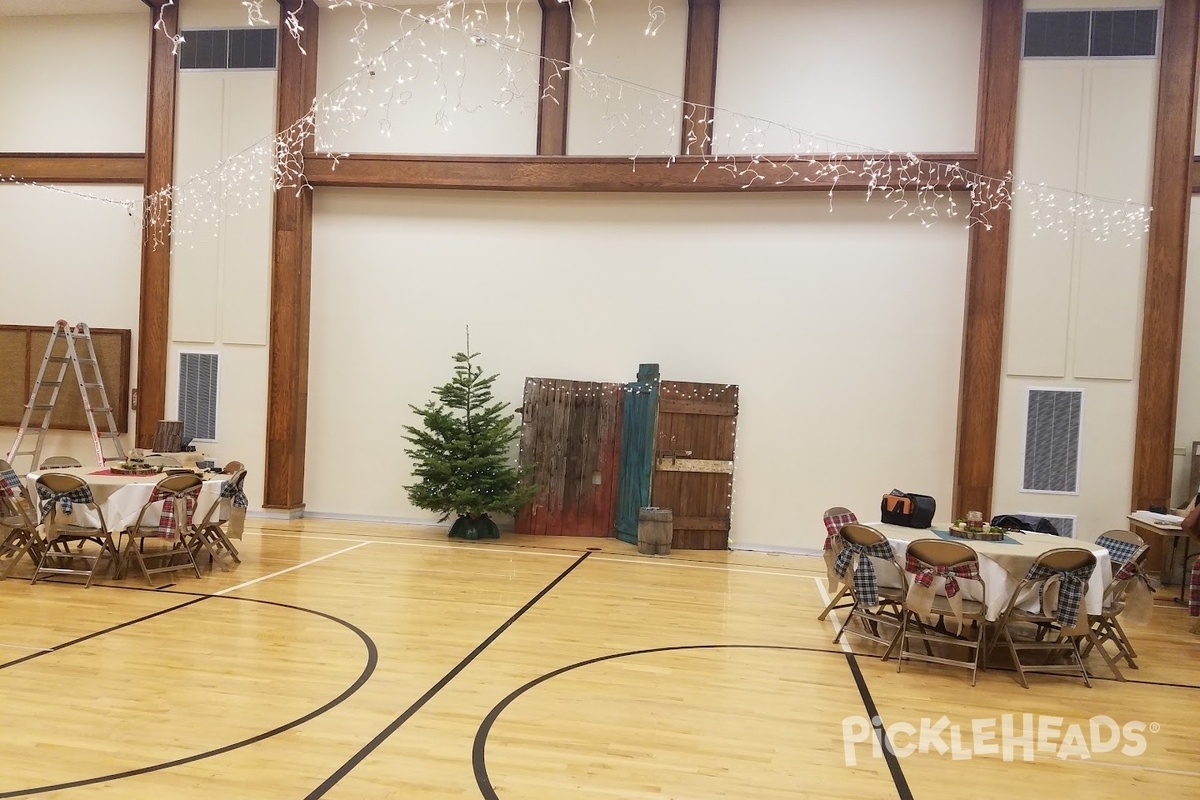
[359, 661]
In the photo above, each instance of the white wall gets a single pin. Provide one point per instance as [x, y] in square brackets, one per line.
[69, 258]
[434, 90]
[888, 75]
[606, 114]
[1074, 304]
[845, 392]
[1187, 420]
[74, 84]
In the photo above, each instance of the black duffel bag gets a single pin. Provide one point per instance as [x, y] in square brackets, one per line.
[907, 509]
[1024, 522]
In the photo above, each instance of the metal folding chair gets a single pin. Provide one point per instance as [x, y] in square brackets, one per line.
[1129, 553]
[209, 534]
[59, 493]
[18, 522]
[166, 515]
[877, 600]
[60, 462]
[835, 519]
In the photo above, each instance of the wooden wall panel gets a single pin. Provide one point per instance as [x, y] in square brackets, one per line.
[987, 264]
[287, 379]
[700, 76]
[554, 84]
[1166, 264]
[153, 332]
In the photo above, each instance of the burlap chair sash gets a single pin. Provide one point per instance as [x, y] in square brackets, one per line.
[923, 590]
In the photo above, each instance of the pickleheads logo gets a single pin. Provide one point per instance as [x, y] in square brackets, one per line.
[1011, 736]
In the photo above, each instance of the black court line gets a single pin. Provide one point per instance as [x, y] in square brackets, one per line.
[368, 670]
[110, 629]
[893, 763]
[479, 749]
[382, 736]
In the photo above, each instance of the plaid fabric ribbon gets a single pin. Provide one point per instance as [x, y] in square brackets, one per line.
[1194, 590]
[1121, 553]
[921, 593]
[10, 484]
[170, 523]
[234, 492]
[866, 583]
[833, 526]
[65, 499]
[1070, 591]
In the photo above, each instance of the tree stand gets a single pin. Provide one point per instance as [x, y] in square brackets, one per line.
[469, 527]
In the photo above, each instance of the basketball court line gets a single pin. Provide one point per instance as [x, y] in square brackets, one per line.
[290, 569]
[26, 647]
[434, 545]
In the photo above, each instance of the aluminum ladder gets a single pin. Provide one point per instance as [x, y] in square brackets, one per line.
[91, 389]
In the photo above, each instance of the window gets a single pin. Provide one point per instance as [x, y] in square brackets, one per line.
[198, 373]
[228, 48]
[1091, 34]
[1052, 426]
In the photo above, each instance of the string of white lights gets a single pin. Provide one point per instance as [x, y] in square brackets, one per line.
[384, 82]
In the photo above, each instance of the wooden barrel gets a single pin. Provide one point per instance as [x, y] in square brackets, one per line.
[654, 531]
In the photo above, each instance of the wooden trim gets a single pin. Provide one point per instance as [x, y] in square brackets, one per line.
[707, 465]
[75, 167]
[598, 174]
[700, 524]
[720, 408]
[700, 76]
[291, 265]
[554, 83]
[1166, 262]
[153, 331]
[987, 264]
[1195, 174]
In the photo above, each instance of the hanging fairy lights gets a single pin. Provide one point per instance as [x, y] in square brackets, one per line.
[431, 50]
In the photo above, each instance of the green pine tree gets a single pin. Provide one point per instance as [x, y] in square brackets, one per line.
[462, 453]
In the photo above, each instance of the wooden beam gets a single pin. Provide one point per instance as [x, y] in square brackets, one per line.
[1166, 262]
[74, 167]
[987, 264]
[606, 174]
[1195, 174]
[153, 332]
[700, 76]
[557, 34]
[287, 382]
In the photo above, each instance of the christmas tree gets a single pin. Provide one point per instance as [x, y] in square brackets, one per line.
[462, 453]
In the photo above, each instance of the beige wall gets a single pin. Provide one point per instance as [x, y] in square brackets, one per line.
[74, 84]
[845, 392]
[1073, 310]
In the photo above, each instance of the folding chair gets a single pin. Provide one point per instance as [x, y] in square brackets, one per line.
[62, 524]
[60, 462]
[209, 534]
[934, 569]
[166, 515]
[1057, 582]
[834, 519]
[18, 526]
[1129, 554]
[877, 598]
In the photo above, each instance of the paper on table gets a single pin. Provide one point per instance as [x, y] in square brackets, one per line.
[1150, 516]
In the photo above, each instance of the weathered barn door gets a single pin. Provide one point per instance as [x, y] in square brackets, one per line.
[637, 450]
[572, 434]
[693, 464]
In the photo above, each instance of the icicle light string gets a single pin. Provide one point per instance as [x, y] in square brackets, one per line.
[911, 183]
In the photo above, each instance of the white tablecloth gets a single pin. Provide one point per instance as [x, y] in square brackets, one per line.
[121, 497]
[1003, 566]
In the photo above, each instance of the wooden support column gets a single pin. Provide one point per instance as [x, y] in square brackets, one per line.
[1166, 262]
[700, 77]
[557, 33]
[987, 264]
[287, 388]
[153, 332]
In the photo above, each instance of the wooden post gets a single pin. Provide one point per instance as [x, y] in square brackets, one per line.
[700, 77]
[557, 33]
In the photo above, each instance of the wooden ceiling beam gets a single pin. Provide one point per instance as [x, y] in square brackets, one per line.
[599, 174]
[74, 167]
[700, 76]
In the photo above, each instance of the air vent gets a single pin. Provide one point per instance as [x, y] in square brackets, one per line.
[1052, 441]
[1091, 34]
[1064, 525]
[198, 373]
[228, 48]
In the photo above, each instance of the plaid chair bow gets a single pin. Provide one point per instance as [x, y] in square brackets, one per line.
[1070, 590]
[170, 523]
[921, 593]
[1121, 553]
[833, 544]
[1194, 590]
[10, 484]
[866, 583]
[237, 516]
[234, 492]
[66, 502]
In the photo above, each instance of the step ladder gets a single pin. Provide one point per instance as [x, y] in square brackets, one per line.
[81, 355]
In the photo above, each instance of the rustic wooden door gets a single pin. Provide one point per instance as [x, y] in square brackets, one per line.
[571, 433]
[639, 418]
[693, 463]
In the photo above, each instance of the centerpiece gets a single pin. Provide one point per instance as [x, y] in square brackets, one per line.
[973, 527]
[134, 464]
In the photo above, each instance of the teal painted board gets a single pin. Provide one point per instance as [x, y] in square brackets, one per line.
[639, 425]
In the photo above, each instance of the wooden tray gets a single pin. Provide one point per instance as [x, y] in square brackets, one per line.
[986, 535]
[120, 469]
